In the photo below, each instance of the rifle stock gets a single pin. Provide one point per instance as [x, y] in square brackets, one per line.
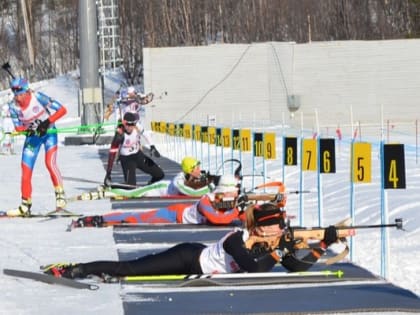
[262, 197]
[304, 236]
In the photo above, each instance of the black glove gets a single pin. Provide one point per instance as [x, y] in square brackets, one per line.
[204, 177]
[330, 235]
[154, 152]
[287, 243]
[242, 202]
[29, 132]
[212, 178]
[107, 180]
[32, 128]
[42, 128]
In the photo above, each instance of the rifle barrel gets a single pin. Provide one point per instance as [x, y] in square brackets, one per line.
[398, 224]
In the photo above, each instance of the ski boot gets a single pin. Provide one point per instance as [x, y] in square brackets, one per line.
[24, 210]
[93, 195]
[60, 198]
[102, 192]
[65, 270]
[89, 221]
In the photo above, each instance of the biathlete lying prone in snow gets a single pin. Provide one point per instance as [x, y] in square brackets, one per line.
[222, 206]
[255, 249]
[192, 181]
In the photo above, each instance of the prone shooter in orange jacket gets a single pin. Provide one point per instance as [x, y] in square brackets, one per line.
[219, 207]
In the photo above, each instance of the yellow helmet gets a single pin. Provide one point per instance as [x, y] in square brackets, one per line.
[188, 164]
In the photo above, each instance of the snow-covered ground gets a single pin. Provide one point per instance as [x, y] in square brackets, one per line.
[29, 243]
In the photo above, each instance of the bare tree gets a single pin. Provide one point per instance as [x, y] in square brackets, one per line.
[160, 23]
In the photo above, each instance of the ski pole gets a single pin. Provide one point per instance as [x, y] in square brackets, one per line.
[72, 129]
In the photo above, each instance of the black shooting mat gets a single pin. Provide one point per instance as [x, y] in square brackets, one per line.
[182, 233]
[280, 299]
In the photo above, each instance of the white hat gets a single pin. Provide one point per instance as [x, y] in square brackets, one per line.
[227, 183]
[131, 90]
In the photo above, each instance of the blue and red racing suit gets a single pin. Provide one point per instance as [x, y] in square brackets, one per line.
[37, 106]
[201, 212]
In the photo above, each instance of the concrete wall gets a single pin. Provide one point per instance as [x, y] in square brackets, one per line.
[364, 76]
[251, 83]
[221, 79]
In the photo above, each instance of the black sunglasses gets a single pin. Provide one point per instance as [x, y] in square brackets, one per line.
[16, 88]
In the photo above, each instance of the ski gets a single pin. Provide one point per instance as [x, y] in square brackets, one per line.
[41, 277]
[62, 213]
[51, 214]
[153, 198]
[254, 197]
[260, 275]
[104, 192]
[101, 192]
[236, 279]
[96, 195]
[191, 280]
[194, 280]
[149, 227]
[174, 226]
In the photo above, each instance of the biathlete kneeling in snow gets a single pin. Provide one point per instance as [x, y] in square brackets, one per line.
[255, 249]
[127, 143]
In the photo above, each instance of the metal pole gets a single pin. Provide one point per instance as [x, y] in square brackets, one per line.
[90, 91]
